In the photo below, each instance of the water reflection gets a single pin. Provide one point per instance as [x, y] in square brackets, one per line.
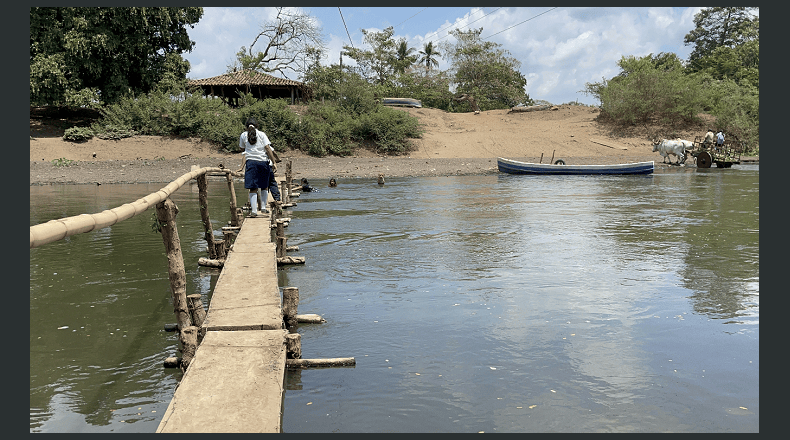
[478, 303]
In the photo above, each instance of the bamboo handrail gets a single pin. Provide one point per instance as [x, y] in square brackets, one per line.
[59, 229]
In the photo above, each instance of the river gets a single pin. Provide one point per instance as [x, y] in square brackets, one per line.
[491, 303]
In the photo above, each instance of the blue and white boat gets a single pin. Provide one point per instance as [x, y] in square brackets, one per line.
[515, 167]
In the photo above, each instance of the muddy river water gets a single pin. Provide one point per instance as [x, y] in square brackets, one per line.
[490, 303]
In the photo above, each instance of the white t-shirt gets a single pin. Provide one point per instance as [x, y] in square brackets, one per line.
[257, 151]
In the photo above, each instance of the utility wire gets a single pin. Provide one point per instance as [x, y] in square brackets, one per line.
[511, 27]
[344, 25]
[448, 34]
[404, 21]
[448, 27]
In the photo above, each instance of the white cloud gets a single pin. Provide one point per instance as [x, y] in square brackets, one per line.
[559, 49]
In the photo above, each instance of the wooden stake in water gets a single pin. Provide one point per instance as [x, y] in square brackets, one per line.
[166, 212]
[235, 214]
[208, 231]
[293, 346]
[290, 305]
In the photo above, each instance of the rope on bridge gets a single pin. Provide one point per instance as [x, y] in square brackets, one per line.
[59, 229]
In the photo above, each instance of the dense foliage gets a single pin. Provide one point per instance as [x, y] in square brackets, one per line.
[721, 78]
[328, 128]
[86, 56]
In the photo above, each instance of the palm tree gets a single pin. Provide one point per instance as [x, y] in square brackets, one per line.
[428, 53]
[405, 58]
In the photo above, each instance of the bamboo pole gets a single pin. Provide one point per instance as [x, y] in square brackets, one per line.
[203, 203]
[59, 229]
[166, 212]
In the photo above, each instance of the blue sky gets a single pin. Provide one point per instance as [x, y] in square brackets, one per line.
[560, 49]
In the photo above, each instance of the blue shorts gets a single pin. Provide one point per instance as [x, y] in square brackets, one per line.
[257, 174]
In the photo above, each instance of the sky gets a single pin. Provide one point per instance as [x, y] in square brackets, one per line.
[560, 48]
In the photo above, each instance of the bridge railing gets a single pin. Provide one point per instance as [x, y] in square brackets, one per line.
[59, 229]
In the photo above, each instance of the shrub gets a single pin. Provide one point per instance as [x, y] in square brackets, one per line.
[389, 129]
[77, 134]
[111, 132]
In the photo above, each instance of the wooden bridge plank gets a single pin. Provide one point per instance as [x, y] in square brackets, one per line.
[234, 384]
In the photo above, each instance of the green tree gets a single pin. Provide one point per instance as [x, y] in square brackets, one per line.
[721, 27]
[740, 63]
[84, 56]
[376, 64]
[649, 88]
[290, 41]
[429, 55]
[432, 88]
[485, 71]
[404, 57]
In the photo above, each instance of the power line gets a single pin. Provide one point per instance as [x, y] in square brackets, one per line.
[448, 27]
[404, 21]
[448, 34]
[511, 27]
[344, 25]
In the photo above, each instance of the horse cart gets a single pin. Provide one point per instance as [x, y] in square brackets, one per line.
[724, 156]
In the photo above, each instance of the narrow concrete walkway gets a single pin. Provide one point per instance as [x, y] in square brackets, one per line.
[235, 382]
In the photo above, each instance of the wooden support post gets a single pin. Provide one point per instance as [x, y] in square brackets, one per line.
[288, 177]
[290, 305]
[196, 309]
[188, 338]
[166, 212]
[203, 202]
[235, 214]
[293, 346]
[228, 237]
[284, 192]
[281, 239]
[328, 362]
[220, 251]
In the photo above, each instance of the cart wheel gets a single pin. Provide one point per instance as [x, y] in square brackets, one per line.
[704, 160]
[559, 162]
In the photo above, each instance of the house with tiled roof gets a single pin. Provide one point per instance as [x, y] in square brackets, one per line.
[230, 86]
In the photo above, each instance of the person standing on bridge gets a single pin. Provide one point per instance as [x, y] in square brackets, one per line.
[257, 165]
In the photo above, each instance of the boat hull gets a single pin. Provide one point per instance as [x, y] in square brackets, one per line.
[510, 166]
[408, 102]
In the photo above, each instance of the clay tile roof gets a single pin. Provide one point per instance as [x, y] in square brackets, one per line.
[244, 77]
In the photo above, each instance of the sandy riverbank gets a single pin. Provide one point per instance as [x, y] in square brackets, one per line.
[453, 144]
